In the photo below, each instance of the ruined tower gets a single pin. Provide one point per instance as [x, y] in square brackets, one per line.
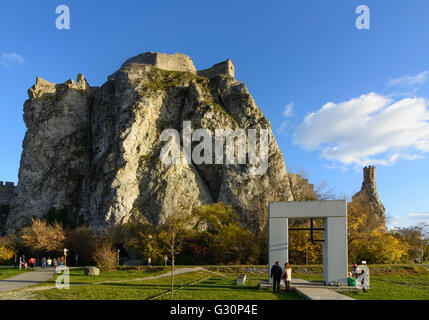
[368, 195]
[7, 191]
[369, 176]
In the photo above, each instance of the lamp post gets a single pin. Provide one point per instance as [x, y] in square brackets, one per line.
[149, 262]
[65, 256]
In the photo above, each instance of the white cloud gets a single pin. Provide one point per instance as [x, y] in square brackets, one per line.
[371, 129]
[10, 59]
[410, 81]
[283, 127]
[407, 220]
[288, 111]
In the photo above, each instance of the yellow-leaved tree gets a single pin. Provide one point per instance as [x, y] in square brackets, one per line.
[368, 238]
[41, 237]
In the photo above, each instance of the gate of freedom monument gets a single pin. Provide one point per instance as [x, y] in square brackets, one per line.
[334, 215]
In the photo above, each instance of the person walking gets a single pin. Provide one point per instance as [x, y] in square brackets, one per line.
[31, 263]
[149, 261]
[43, 263]
[165, 260]
[287, 276]
[49, 262]
[276, 274]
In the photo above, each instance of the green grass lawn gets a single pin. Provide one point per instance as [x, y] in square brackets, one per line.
[405, 283]
[210, 288]
[396, 287]
[388, 287]
[77, 276]
[225, 288]
[7, 272]
[132, 290]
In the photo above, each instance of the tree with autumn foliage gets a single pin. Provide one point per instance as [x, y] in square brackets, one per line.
[226, 238]
[368, 238]
[7, 249]
[40, 237]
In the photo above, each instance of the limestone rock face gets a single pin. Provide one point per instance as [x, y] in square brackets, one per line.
[368, 196]
[56, 149]
[97, 150]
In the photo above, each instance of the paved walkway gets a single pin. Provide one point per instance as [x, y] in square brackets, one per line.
[315, 291]
[26, 279]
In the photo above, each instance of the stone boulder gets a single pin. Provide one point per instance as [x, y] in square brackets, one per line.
[92, 271]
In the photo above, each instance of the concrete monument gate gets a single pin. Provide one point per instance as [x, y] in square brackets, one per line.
[334, 215]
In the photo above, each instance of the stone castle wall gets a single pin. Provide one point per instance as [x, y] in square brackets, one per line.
[225, 67]
[301, 189]
[7, 191]
[180, 62]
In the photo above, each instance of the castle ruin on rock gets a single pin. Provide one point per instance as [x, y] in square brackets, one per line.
[180, 62]
[96, 150]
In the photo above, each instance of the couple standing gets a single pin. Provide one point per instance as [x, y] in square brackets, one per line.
[278, 274]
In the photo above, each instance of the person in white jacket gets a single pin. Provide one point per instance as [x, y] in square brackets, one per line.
[287, 276]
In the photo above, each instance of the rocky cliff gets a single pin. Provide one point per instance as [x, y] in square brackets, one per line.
[97, 149]
[368, 196]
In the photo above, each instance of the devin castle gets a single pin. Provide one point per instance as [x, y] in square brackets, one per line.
[180, 62]
[96, 150]
[7, 191]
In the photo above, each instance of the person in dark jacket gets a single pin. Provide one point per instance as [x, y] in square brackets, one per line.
[276, 274]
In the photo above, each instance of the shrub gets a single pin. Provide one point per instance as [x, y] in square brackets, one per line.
[106, 257]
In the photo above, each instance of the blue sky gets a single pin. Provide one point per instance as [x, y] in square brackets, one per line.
[337, 97]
